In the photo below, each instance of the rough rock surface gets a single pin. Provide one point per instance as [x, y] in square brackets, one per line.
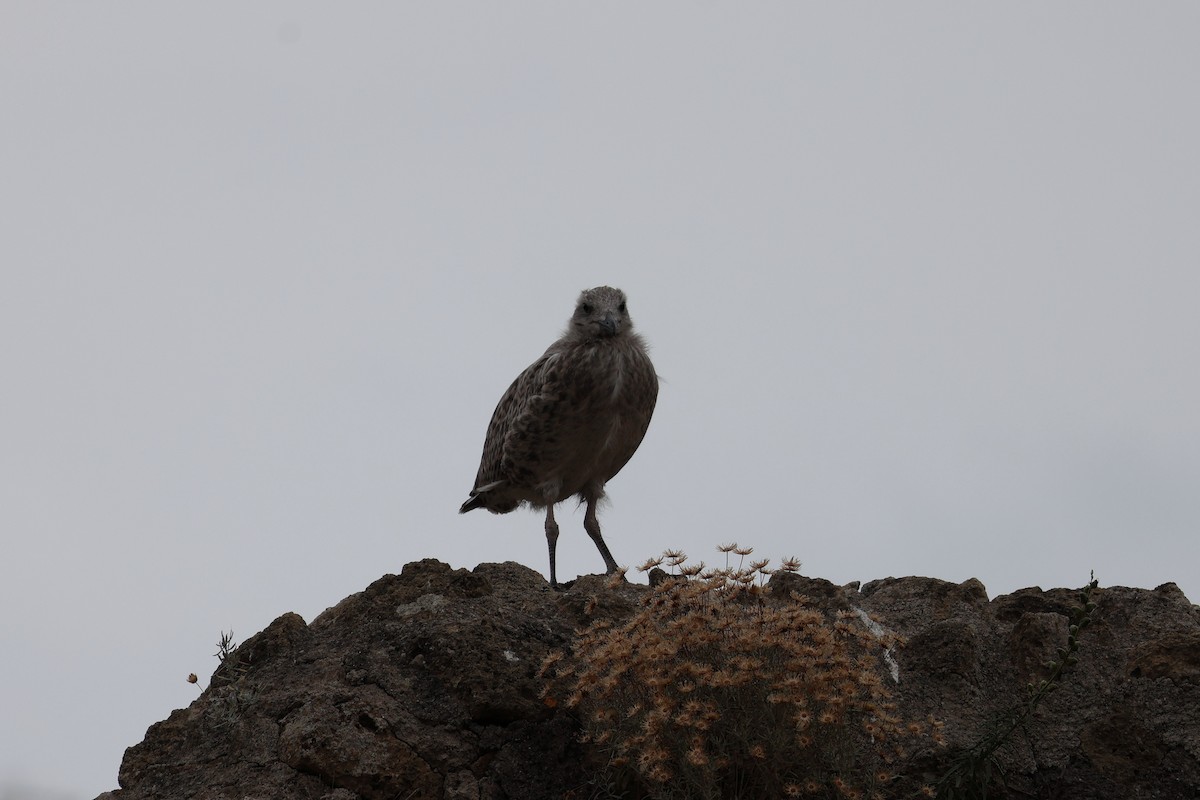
[425, 686]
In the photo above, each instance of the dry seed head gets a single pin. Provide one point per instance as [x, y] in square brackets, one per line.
[763, 651]
[654, 721]
[649, 757]
[747, 663]
[659, 773]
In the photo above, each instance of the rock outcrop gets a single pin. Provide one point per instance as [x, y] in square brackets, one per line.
[425, 685]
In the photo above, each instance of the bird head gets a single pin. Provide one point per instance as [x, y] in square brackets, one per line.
[600, 313]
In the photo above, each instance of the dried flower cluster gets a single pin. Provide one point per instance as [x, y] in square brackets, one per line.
[714, 689]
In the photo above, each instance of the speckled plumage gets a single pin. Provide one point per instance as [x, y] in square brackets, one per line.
[571, 420]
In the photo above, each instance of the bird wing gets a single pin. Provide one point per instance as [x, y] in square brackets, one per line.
[510, 446]
[538, 438]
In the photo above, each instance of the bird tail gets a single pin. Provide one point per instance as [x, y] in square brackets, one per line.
[478, 498]
[473, 502]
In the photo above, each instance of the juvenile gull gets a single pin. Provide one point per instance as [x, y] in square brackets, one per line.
[571, 420]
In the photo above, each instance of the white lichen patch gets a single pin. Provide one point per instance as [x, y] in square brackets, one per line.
[880, 632]
[423, 604]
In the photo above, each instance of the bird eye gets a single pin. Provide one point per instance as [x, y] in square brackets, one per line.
[621, 308]
[586, 308]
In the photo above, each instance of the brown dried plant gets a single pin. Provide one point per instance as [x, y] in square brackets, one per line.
[716, 689]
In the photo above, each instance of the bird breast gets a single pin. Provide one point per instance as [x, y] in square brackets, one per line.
[610, 394]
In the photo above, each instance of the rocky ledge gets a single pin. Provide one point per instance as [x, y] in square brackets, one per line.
[425, 685]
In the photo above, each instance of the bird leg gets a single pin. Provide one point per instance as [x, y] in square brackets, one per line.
[592, 525]
[551, 541]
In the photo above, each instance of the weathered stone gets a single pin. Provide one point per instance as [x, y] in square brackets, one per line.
[825, 593]
[1175, 656]
[425, 685]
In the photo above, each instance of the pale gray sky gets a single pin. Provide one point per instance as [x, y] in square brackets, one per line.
[921, 281]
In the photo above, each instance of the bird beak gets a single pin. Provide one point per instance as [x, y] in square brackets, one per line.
[609, 324]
